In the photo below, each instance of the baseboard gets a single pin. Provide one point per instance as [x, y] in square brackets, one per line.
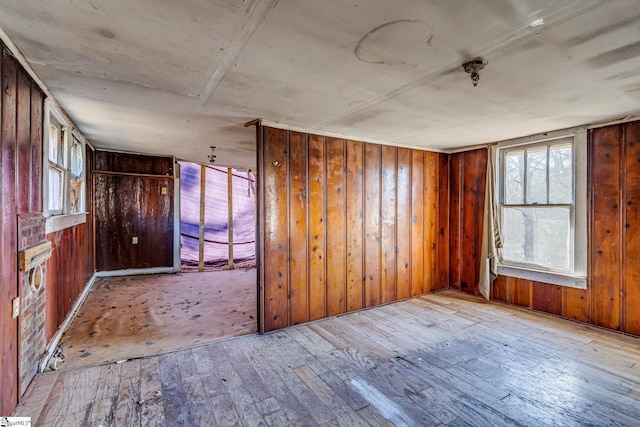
[136, 271]
[55, 341]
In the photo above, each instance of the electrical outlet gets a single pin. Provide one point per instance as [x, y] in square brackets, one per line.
[15, 307]
[134, 240]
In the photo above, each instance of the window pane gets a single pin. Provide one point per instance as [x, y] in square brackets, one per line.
[514, 178]
[75, 196]
[560, 174]
[76, 159]
[55, 189]
[54, 144]
[537, 175]
[537, 236]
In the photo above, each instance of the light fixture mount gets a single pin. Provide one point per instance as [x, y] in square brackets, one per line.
[474, 67]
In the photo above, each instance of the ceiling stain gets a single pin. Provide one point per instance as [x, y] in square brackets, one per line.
[605, 30]
[107, 34]
[379, 45]
[614, 56]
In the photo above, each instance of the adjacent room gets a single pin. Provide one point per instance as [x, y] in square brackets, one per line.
[284, 212]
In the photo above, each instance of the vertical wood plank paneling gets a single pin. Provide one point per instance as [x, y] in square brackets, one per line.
[37, 108]
[297, 200]
[500, 290]
[403, 224]
[132, 206]
[430, 221]
[317, 259]
[631, 228]
[470, 222]
[388, 216]
[576, 304]
[354, 220]
[372, 247]
[336, 227]
[520, 291]
[23, 139]
[605, 167]
[275, 233]
[417, 222]
[443, 222]
[455, 219]
[9, 279]
[355, 205]
[547, 298]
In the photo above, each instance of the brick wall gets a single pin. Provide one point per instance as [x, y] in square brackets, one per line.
[31, 231]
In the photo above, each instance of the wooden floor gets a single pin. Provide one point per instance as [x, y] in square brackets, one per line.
[441, 359]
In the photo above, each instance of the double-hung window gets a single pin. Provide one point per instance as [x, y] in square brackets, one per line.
[64, 178]
[542, 209]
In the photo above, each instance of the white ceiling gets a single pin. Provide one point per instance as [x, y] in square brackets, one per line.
[174, 77]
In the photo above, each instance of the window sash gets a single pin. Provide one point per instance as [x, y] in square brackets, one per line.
[525, 202]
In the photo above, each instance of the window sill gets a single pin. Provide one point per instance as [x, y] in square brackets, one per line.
[60, 222]
[578, 282]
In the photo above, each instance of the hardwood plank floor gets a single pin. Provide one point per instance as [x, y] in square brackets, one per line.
[441, 359]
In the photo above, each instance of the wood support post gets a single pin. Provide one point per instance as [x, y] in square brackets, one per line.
[203, 183]
[230, 212]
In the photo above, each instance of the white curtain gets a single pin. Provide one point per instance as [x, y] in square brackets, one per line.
[490, 229]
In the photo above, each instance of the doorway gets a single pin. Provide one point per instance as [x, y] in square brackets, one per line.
[217, 218]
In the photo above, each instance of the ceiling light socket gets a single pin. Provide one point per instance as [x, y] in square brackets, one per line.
[474, 67]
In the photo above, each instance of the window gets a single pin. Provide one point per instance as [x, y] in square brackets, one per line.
[542, 209]
[64, 179]
[57, 165]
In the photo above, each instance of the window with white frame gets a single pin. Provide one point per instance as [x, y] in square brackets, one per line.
[57, 167]
[64, 181]
[542, 207]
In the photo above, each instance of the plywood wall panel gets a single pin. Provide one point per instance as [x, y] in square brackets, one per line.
[336, 227]
[355, 203]
[388, 215]
[431, 212]
[546, 297]
[605, 280]
[8, 244]
[467, 178]
[576, 304]
[631, 230]
[372, 241]
[298, 288]
[316, 251]
[521, 291]
[23, 139]
[417, 223]
[442, 241]
[500, 289]
[37, 112]
[276, 271]
[133, 163]
[455, 220]
[133, 206]
[355, 231]
[403, 225]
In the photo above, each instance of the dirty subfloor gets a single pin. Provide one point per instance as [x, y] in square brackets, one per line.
[136, 316]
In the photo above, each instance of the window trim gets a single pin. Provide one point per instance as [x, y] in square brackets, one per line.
[57, 220]
[576, 278]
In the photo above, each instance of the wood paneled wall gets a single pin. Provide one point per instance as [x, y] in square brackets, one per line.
[612, 296]
[72, 261]
[133, 198]
[467, 178]
[21, 110]
[346, 225]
